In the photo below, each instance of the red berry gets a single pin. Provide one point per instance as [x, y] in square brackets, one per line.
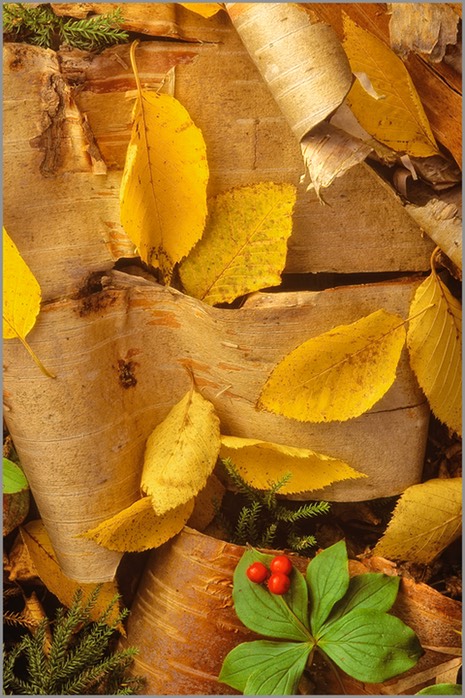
[257, 572]
[279, 583]
[281, 563]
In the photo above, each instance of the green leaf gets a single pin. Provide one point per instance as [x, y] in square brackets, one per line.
[14, 479]
[441, 689]
[264, 668]
[284, 616]
[370, 645]
[369, 591]
[328, 581]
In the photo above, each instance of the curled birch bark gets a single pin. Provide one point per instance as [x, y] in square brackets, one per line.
[302, 62]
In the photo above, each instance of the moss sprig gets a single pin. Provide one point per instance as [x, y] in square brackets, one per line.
[79, 659]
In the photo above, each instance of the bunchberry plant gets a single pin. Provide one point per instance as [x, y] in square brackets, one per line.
[343, 618]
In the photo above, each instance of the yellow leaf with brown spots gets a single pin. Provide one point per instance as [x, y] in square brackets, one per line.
[338, 375]
[163, 195]
[427, 518]
[181, 453]
[434, 340]
[396, 117]
[261, 462]
[138, 527]
[244, 245]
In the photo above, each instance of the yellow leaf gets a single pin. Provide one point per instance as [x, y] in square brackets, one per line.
[163, 189]
[339, 374]
[139, 528]
[205, 9]
[21, 297]
[427, 518]
[434, 340]
[262, 462]
[244, 245]
[398, 119]
[46, 564]
[207, 503]
[181, 453]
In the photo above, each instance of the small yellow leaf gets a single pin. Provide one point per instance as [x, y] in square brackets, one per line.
[21, 297]
[398, 120]
[205, 9]
[181, 453]
[244, 245]
[339, 374]
[163, 189]
[46, 564]
[427, 518]
[262, 462]
[207, 503]
[139, 528]
[434, 340]
[21, 292]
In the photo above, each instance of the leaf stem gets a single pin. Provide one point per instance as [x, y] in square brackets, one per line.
[30, 351]
[132, 56]
[333, 668]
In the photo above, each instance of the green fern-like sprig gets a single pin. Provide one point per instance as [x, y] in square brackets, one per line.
[269, 496]
[42, 27]
[79, 659]
[301, 544]
[266, 521]
[238, 482]
[305, 511]
[269, 536]
[94, 32]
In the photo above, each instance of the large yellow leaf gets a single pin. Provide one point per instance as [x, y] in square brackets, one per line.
[139, 528]
[244, 245]
[434, 339]
[181, 453]
[46, 564]
[21, 297]
[427, 518]
[339, 374]
[397, 118]
[163, 189]
[262, 462]
[205, 9]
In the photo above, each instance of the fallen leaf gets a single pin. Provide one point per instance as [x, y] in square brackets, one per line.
[423, 27]
[329, 152]
[181, 453]
[207, 504]
[46, 564]
[163, 189]
[205, 9]
[398, 120]
[434, 340]
[21, 298]
[339, 374]
[427, 518]
[18, 563]
[262, 462]
[138, 527]
[244, 245]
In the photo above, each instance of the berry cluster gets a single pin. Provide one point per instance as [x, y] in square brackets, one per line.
[277, 577]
